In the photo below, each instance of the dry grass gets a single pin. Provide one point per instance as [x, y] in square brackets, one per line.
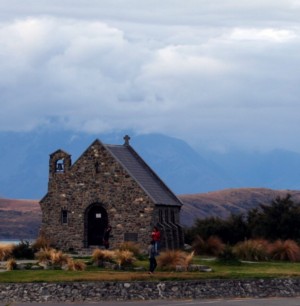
[168, 260]
[11, 264]
[212, 246]
[253, 249]
[75, 265]
[287, 250]
[124, 258]
[100, 256]
[52, 257]
[58, 258]
[130, 246]
[5, 251]
[43, 255]
[41, 243]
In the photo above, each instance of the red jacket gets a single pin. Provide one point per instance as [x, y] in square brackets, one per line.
[155, 235]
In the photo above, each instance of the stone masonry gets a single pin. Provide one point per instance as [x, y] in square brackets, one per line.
[100, 189]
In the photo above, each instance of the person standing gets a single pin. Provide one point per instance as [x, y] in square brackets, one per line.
[152, 254]
[155, 236]
[106, 236]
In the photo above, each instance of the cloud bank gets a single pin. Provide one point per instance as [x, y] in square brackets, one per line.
[216, 74]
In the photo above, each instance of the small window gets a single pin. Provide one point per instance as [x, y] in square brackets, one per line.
[64, 217]
[59, 166]
[97, 167]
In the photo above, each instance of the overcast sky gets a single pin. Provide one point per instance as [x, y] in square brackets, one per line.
[217, 73]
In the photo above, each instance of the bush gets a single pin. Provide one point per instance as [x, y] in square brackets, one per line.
[101, 256]
[124, 258]
[227, 256]
[77, 265]
[52, 257]
[211, 246]
[168, 260]
[130, 246]
[11, 264]
[41, 243]
[23, 250]
[253, 249]
[5, 251]
[287, 250]
[43, 255]
[57, 258]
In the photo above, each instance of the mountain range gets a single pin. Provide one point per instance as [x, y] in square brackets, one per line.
[24, 159]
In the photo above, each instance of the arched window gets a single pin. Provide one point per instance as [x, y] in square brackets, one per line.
[59, 166]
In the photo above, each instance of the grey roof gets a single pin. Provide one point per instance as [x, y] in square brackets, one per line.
[143, 175]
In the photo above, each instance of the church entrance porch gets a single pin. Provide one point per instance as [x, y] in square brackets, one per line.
[96, 220]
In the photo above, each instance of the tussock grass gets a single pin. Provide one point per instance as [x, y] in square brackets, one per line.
[75, 265]
[11, 264]
[41, 243]
[168, 260]
[100, 256]
[287, 250]
[130, 246]
[124, 258]
[52, 257]
[5, 251]
[253, 250]
[212, 246]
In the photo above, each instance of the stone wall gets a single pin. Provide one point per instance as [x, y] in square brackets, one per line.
[97, 291]
[98, 179]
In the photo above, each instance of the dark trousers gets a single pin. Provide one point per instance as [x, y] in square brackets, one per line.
[153, 264]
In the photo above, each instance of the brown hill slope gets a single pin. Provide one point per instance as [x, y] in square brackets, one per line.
[223, 203]
[19, 219]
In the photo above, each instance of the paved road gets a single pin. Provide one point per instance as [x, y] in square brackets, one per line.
[218, 302]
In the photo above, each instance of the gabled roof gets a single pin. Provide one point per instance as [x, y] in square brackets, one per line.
[143, 175]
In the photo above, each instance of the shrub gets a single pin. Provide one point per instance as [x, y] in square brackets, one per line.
[253, 249]
[58, 258]
[41, 243]
[285, 250]
[43, 255]
[130, 246]
[5, 251]
[11, 264]
[188, 259]
[124, 258]
[211, 246]
[168, 260]
[77, 265]
[52, 257]
[100, 256]
[227, 256]
[23, 250]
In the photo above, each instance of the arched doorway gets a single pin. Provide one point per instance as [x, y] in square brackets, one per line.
[96, 221]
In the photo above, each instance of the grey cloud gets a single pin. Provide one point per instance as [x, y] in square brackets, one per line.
[223, 73]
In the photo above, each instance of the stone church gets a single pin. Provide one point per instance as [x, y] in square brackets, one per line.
[108, 184]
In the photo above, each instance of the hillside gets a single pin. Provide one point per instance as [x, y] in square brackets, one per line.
[229, 201]
[20, 219]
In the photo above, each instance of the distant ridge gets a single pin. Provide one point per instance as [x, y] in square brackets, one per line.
[21, 219]
[229, 201]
